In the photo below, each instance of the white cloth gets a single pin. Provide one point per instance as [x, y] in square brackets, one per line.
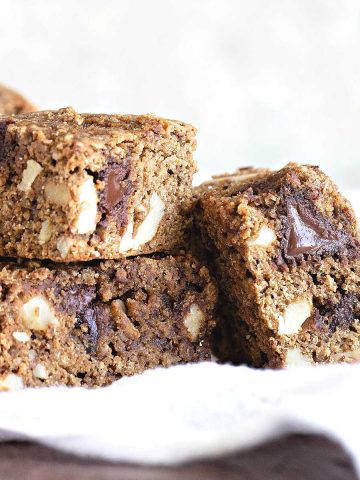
[189, 411]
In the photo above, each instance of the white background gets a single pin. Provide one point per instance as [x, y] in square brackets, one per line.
[265, 81]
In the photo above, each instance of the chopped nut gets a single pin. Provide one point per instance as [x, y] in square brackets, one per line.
[118, 311]
[11, 383]
[121, 305]
[86, 221]
[294, 358]
[32, 356]
[147, 229]
[45, 232]
[265, 237]
[37, 314]
[40, 372]
[63, 245]
[21, 336]
[194, 321]
[57, 193]
[294, 316]
[31, 171]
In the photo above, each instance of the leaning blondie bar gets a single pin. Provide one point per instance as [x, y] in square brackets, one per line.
[79, 187]
[91, 324]
[285, 248]
[12, 102]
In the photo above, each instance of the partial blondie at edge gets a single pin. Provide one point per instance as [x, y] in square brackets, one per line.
[12, 103]
[285, 249]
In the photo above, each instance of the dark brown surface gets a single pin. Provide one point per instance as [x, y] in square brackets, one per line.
[296, 457]
[342, 314]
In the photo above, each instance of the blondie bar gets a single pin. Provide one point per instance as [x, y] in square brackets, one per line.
[90, 324]
[285, 249]
[80, 187]
[12, 102]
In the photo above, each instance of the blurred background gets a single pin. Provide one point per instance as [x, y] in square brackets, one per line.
[265, 81]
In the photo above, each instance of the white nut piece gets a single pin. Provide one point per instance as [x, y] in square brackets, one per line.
[57, 193]
[294, 316]
[11, 383]
[40, 372]
[21, 336]
[45, 232]
[294, 358]
[122, 305]
[31, 171]
[193, 321]
[147, 229]
[63, 245]
[32, 356]
[36, 314]
[265, 237]
[86, 221]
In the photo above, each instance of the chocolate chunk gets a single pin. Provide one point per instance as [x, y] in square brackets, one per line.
[77, 298]
[339, 315]
[79, 301]
[89, 316]
[307, 232]
[114, 191]
[114, 198]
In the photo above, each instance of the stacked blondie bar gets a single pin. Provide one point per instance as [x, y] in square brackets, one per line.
[94, 210]
[98, 217]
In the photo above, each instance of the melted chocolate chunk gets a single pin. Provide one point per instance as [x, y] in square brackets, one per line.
[115, 196]
[308, 232]
[339, 315]
[114, 191]
[79, 301]
[89, 316]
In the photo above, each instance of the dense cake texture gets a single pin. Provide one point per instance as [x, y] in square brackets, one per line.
[92, 324]
[12, 102]
[285, 249]
[79, 187]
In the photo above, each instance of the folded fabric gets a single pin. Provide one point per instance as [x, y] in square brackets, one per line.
[187, 412]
